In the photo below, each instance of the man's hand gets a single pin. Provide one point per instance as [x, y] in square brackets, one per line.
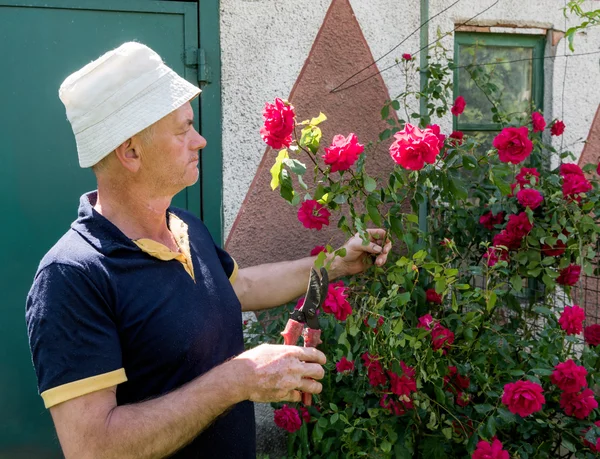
[358, 256]
[274, 373]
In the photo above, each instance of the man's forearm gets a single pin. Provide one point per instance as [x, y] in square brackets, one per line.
[270, 285]
[157, 428]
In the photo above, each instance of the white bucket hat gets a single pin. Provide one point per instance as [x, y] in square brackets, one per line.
[118, 95]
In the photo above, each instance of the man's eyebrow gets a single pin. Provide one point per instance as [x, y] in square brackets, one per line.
[189, 122]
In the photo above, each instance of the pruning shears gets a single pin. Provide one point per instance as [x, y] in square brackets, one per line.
[316, 293]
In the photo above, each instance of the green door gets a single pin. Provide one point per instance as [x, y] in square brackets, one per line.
[41, 43]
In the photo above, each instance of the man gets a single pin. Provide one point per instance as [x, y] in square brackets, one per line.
[134, 316]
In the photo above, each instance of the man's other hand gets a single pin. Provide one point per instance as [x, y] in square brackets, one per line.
[358, 256]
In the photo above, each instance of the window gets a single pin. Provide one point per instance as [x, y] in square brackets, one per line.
[511, 66]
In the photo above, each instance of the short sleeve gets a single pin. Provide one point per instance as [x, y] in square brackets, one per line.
[229, 264]
[73, 336]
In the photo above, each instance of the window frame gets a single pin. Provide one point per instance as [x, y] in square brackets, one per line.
[536, 42]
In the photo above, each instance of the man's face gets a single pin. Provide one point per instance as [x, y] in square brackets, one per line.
[170, 159]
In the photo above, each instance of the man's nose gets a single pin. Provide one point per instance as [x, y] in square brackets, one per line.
[198, 142]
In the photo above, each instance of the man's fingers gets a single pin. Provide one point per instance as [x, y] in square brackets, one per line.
[376, 233]
[311, 386]
[312, 370]
[310, 354]
[293, 396]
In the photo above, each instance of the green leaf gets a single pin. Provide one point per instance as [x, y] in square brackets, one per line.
[483, 408]
[370, 184]
[541, 371]
[568, 445]
[287, 189]
[277, 167]
[385, 446]
[310, 138]
[516, 282]
[403, 298]
[295, 166]
[318, 120]
[491, 301]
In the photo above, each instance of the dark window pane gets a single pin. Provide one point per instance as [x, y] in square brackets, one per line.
[505, 71]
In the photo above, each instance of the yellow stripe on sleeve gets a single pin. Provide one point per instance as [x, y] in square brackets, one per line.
[234, 274]
[81, 387]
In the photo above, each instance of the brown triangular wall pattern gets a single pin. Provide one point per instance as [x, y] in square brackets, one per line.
[266, 228]
[591, 284]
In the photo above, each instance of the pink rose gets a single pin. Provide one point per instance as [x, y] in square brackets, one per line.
[374, 370]
[459, 106]
[571, 320]
[344, 365]
[578, 404]
[425, 322]
[486, 450]
[489, 220]
[436, 130]
[336, 302]
[343, 152]
[407, 57]
[414, 147]
[287, 418]
[591, 334]
[539, 124]
[317, 250]
[441, 337]
[513, 144]
[523, 397]
[529, 197]
[569, 377]
[402, 384]
[433, 297]
[558, 127]
[527, 175]
[279, 124]
[569, 275]
[313, 215]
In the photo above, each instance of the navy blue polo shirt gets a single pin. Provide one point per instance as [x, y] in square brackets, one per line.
[103, 312]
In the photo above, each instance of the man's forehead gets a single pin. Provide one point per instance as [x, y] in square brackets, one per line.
[183, 113]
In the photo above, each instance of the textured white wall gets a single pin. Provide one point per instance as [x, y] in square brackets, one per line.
[264, 44]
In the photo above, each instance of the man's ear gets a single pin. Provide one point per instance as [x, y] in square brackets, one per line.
[128, 155]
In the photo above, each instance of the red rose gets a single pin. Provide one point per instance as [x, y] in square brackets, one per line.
[555, 250]
[396, 407]
[380, 322]
[344, 365]
[433, 297]
[528, 176]
[486, 450]
[436, 130]
[557, 128]
[574, 185]
[570, 169]
[598, 169]
[425, 322]
[304, 414]
[595, 448]
[454, 378]
[317, 249]
[288, 418]
[506, 239]
[578, 404]
[459, 106]
[529, 197]
[494, 255]
[463, 399]
[518, 225]
[457, 138]
[343, 152]
[569, 275]
[374, 370]
[523, 397]
[402, 384]
[279, 124]
[336, 302]
[441, 337]
[513, 145]
[313, 215]
[414, 147]
[591, 334]
[569, 377]
[539, 124]
[490, 220]
[571, 320]
[406, 57]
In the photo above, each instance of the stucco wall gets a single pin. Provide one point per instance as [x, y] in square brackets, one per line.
[265, 44]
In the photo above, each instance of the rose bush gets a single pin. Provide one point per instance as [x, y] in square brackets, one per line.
[468, 343]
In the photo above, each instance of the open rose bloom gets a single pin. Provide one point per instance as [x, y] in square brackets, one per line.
[415, 147]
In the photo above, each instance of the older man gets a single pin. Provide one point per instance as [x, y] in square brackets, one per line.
[134, 316]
